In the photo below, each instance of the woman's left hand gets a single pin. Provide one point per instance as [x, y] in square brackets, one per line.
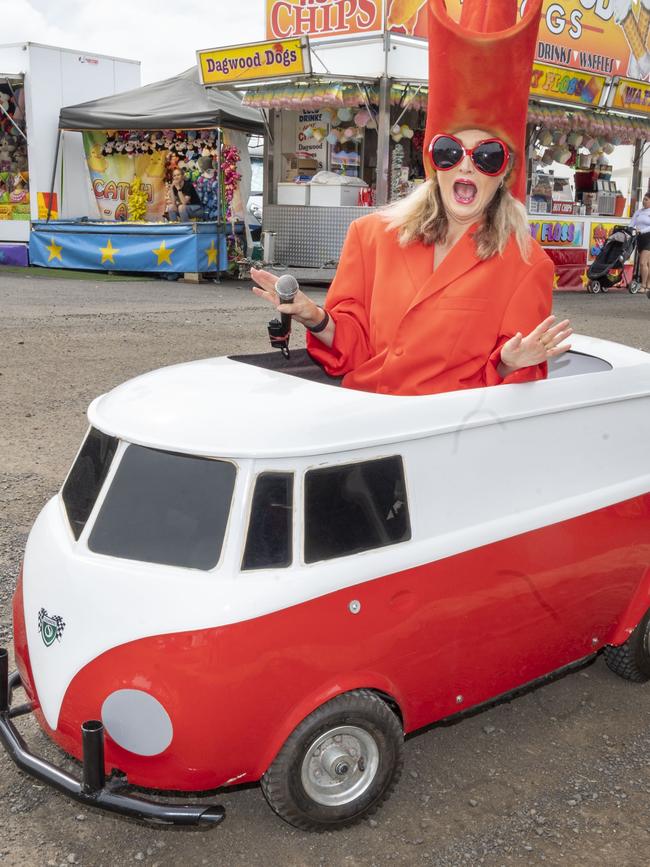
[542, 343]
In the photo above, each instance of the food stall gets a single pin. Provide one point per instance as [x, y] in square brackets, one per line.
[345, 134]
[339, 144]
[581, 124]
[132, 142]
[35, 81]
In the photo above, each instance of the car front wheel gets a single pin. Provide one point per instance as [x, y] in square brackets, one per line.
[632, 659]
[339, 765]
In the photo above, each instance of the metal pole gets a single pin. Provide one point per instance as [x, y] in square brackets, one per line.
[383, 142]
[269, 158]
[4, 680]
[220, 205]
[278, 133]
[636, 194]
[56, 160]
[92, 735]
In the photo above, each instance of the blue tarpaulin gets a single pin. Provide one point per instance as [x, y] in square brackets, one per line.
[158, 247]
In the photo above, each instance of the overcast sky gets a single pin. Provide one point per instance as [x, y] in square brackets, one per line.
[162, 34]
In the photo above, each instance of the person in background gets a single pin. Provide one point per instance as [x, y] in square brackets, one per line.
[207, 189]
[183, 202]
[641, 222]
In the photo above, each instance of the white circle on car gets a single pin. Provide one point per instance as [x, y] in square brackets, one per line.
[137, 722]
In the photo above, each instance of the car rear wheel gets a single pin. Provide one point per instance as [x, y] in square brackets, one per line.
[632, 659]
[339, 765]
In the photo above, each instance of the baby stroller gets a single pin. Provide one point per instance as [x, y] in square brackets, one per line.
[608, 269]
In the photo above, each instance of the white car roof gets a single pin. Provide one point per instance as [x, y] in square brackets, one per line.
[219, 407]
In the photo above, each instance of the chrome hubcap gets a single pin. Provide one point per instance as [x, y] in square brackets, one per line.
[340, 765]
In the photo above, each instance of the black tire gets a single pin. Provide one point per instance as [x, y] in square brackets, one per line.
[634, 287]
[632, 659]
[595, 287]
[317, 783]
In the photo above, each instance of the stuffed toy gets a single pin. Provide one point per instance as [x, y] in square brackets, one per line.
[5, 157]
[19, 195]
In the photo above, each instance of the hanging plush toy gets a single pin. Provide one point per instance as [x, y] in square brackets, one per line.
[137, 201]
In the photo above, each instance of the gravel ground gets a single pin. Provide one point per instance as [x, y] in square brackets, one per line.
[559, 776]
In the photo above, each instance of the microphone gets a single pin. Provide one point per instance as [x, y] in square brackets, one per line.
[280, 329]
[286, 287]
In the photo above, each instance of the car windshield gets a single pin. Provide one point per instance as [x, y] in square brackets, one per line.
[165, 508]
[87, 477]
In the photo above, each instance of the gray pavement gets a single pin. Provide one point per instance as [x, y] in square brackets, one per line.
[559, 776]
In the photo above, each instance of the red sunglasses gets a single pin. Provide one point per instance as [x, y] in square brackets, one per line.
[490, 156]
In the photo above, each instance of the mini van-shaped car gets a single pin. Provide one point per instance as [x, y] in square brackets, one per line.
[251, 574]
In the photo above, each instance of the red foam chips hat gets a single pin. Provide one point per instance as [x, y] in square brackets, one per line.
[479, 75]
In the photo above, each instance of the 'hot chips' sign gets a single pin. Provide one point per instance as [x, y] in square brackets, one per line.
[323, 17]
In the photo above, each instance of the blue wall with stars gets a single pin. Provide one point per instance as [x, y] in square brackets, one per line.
[167, 247]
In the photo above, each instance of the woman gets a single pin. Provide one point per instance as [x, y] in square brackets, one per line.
[437, 292]
[641, 221]
[446, 289]
[183, 202]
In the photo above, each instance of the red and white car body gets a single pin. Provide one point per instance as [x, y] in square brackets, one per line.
[525, 547]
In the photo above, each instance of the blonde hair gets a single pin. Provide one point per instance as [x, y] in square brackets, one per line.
[421, 217]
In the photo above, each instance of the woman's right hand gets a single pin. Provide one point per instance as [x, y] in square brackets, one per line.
[302, 308]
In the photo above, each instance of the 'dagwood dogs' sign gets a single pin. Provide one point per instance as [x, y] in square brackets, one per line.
[260, 60]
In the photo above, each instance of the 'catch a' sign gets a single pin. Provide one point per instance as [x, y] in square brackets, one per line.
[262, 60]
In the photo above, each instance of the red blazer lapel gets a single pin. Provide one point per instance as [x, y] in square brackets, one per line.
[460, 259]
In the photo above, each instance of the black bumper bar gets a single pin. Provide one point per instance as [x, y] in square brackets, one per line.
[93, 789]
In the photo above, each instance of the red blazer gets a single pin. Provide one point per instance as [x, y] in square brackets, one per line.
[403, 328]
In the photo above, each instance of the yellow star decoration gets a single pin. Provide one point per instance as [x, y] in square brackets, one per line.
[212, 253]
[163, 253]
[55, 251]
[556, 277]
[584, 279]
[108, 252]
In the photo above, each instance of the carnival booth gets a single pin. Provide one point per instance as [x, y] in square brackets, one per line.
[346, 131]
[132, 143]
[342, 141]
[583, 126]
[35, 81]
[345, 144]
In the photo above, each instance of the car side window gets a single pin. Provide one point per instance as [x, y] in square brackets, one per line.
[270, 529]
[355, 507]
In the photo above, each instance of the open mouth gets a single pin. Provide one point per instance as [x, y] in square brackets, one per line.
[465, 192]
